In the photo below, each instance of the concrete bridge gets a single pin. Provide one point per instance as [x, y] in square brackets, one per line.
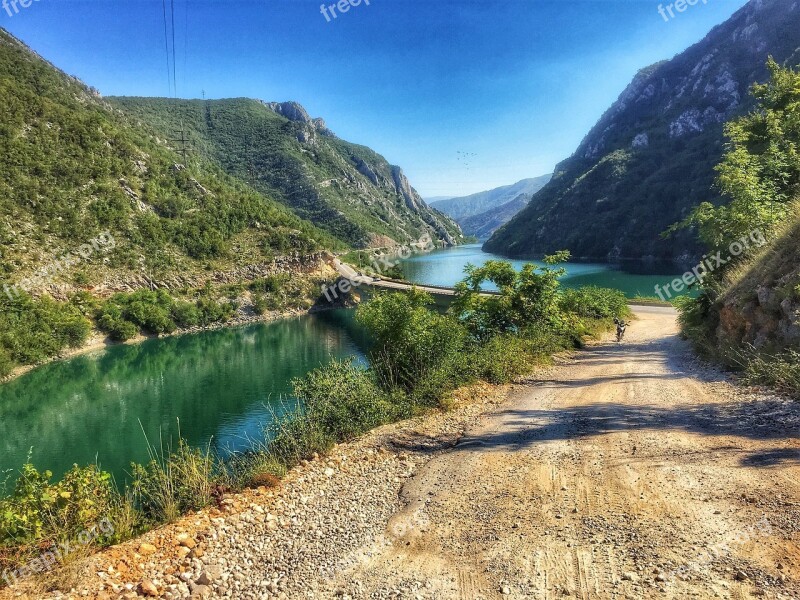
[359, 280]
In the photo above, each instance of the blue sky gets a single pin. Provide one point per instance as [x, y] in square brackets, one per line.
[516, 84]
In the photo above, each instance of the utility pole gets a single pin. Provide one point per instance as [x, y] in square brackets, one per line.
[182, 140]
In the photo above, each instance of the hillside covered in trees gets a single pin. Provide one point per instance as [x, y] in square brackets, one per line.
[278, 149]
[748, 312]
[73, 166]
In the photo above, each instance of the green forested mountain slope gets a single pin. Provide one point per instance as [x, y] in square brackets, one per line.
[72, 166]
[349, 190]
[650, 159]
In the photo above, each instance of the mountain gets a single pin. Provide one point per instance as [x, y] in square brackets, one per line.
[474, 204]
[277, 148]
[72, 166]
[650, 159]
[486, 223]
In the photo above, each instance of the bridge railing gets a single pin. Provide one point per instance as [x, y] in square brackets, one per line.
[429, 285]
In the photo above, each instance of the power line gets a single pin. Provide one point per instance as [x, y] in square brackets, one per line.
[174, 69]
[183, 139]
[185, 39]
[166, 44]
[183, 151]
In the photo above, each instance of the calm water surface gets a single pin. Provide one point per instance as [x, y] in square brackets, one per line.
[446, 267]
[221, 386]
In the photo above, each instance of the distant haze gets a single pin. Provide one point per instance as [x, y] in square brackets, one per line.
[467, 206]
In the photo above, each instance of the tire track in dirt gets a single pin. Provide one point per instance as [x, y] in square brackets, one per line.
[629, 471]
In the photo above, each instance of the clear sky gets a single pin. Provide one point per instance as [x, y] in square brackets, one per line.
[513, 85]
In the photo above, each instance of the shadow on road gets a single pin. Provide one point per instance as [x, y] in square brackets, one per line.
[666, 359]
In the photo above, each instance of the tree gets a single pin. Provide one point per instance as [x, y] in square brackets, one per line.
[760, 170]
[525, 298]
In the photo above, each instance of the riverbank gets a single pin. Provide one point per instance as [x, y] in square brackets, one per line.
[425, 354]
[321, 510]
[446, 412]
[246, 314]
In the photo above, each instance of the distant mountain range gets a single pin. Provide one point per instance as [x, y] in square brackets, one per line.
[481, 213]
[466, 206]
[486, 223]
[651, 157]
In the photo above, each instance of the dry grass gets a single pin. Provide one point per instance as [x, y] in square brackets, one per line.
[771, 265]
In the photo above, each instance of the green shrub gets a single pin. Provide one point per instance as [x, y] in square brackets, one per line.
[780, 371]
[185, 314]
[450, 372]
[124, 315]
[33, 330]
[344, 399]
[213, 312]
[339, 402]
[504, 358]
[253, 468]
[528, 296]
[6, 363]
[260, 303]
[297, 437]
[117, 329]
[410, 342]
[152, 318]
[698, 319]
[595, 303]
[40, 510]
[87, 304]
[270, 284]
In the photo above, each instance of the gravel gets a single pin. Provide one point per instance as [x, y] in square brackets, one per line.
[287, 542]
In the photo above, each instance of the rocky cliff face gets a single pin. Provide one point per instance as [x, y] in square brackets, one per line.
[651, 156]
[296, 113]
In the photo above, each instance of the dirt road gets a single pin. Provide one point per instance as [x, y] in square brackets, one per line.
[630, 472]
